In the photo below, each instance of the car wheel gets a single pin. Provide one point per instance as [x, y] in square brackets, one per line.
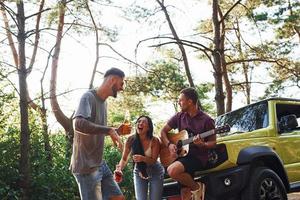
[264, 184]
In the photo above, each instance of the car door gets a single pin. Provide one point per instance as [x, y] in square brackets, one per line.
[289, 140]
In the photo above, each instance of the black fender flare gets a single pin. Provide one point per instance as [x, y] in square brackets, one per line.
[268, 156]
[248, 154]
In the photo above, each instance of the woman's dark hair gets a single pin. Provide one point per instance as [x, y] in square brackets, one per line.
[137, 147]
[150, 125]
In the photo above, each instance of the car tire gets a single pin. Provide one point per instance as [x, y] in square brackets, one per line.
[264, 184]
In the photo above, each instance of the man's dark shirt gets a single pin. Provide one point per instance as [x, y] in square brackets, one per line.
[200, 123]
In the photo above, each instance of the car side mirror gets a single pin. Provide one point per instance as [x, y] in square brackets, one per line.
[288, 123]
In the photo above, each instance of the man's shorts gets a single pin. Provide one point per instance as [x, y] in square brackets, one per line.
[98, 185]
[191, 164]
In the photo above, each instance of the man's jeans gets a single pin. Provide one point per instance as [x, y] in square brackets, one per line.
[98, 185]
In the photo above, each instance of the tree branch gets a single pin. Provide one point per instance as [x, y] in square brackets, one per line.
[10, 12]
[171, 38]
[84, 25]
[97, 46]
[9, 37]
[229, 10]
[10, 82]
[253, 82]
[37, 37]
[180, 45]
[253, 60]
[38, 13]
[119, 54]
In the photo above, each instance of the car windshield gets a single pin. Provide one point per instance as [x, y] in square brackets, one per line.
[246, 119]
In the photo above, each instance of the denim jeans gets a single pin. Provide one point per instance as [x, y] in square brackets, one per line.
[154, 184]
[98, 185]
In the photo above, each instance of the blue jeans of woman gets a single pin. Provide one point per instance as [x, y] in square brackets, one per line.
[153, 186]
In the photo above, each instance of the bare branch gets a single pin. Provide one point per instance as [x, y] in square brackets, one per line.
[9, 37]
[10, 82]
[10, 12]
[34, 31]
[180, 40]
[253, 60]
[229, 10]
[253, 82]
[97, 46]
[119, 54]
[174, 42]
[38, 13]
[59, 94]
[85, 26]
[180, 45]
[9, 65]
[37, 37]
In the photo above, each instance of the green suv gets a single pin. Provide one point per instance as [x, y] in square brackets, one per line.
[259, 159]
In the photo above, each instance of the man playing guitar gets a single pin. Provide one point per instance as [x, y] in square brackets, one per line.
[192, 119]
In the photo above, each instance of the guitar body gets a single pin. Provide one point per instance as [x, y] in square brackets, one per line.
[182, 140]
[166, 158]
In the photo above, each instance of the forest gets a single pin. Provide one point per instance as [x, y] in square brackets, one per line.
[234, 52]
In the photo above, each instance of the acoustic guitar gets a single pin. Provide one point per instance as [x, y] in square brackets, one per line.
[182, 140]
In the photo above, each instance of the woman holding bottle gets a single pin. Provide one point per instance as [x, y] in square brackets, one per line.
[148, 173]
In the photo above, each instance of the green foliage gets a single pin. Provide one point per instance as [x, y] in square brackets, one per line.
[8, 111]
[77, 13]
[283, 15]
[126, 102]
[261, 17]
[164, 81]
[52, 180]
[285, 75]
[48, 180]
[273, 90]
[9, 172]
[207, 105]
[137, 12]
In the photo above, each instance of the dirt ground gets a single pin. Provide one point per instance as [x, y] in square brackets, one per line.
[294, 196]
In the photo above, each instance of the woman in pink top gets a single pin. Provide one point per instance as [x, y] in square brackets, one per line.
[148, 173]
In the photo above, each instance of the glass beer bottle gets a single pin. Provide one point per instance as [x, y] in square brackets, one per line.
[126, 124]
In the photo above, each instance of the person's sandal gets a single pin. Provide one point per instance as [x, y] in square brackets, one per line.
[199, 194]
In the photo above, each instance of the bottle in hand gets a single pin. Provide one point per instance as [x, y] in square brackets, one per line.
[126, 126]
[118, 176]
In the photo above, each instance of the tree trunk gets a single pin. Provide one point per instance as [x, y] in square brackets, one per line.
[25, 133]
[219, 96]
[224, 66]
[59, 115]
[47, 146]
[31, 103]
[97, 46]
[179, 43]
[247, 87]
[42, 110]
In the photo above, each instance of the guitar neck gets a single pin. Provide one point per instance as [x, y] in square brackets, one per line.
[202, 135]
